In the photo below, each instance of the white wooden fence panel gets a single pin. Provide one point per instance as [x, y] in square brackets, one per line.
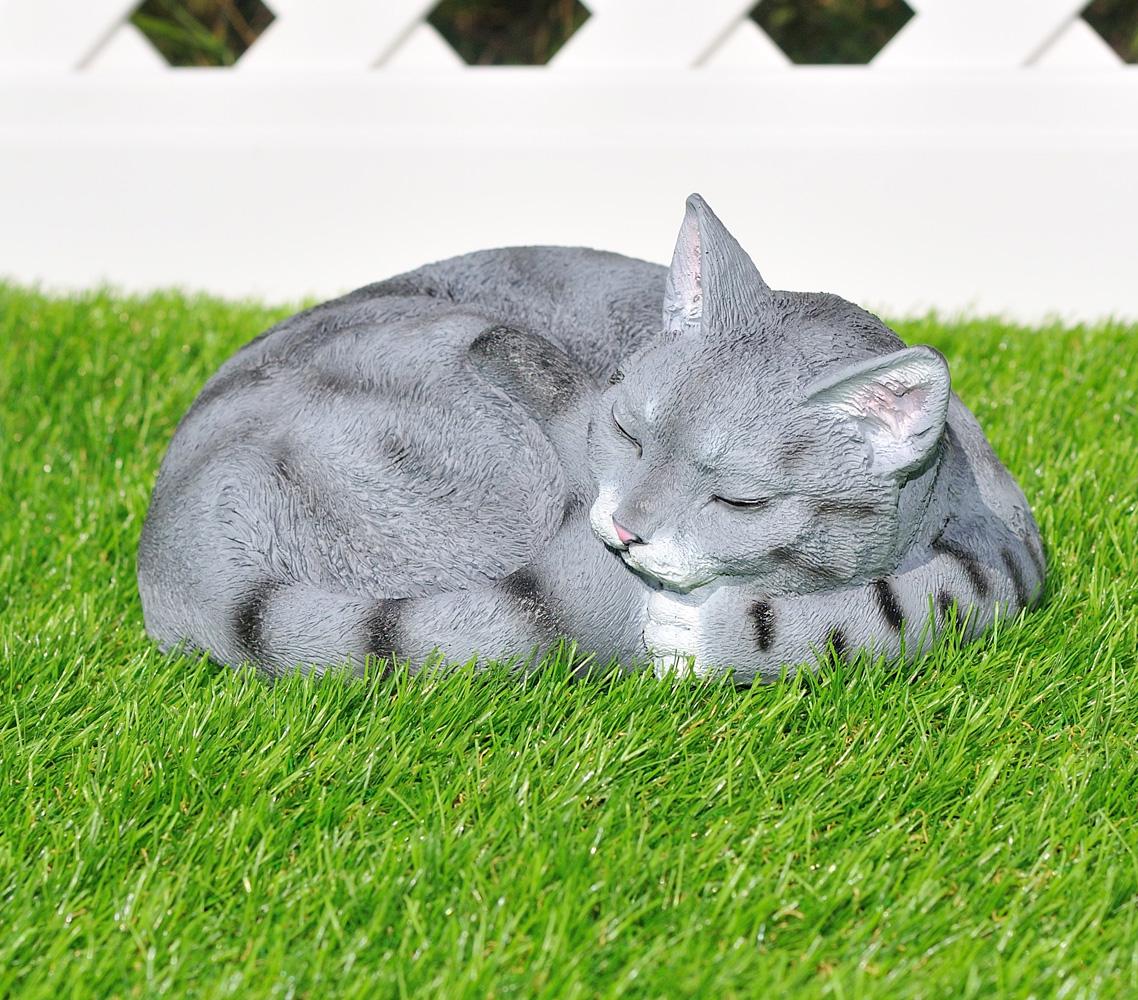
[976, 33]
[56, 34]
[1004, 180]
[1077, 46]
[423, 49]
[650, 33]
[746, 48]
[333, 34]
[126, 50]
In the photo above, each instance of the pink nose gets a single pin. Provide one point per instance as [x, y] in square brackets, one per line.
[626, 537]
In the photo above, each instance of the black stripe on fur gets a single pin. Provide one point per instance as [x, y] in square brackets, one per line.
[762, 614]
[850, 508]
[889, 605]
[837, 641]
[383, 637]
[525, 589]
[944, 605]
[528, 369]
[967, 562]
[1023, 595]
[248, 619]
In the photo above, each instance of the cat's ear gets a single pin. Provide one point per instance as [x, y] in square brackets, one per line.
[711, 275]
[898, 404]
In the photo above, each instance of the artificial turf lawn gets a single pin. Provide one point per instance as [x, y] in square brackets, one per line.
[168, 826]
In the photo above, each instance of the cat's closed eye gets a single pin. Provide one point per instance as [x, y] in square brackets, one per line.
[624, 433]
[754, 503]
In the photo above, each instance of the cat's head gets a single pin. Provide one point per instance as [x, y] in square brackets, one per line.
[767, 435]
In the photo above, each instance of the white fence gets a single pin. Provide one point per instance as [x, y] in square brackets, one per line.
[986, 160]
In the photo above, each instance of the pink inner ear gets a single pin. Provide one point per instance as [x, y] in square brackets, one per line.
[693, 262]
[899, 402]
[685, 279]
[898, 426]
[901, 413]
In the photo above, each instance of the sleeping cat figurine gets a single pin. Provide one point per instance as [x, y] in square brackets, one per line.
[497, 452]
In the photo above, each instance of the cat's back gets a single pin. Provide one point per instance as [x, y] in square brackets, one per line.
[396, 355]
[354, 445]
[598, 306]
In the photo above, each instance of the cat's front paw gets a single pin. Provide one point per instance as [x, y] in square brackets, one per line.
[673, 634]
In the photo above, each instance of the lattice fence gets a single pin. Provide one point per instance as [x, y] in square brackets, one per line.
[986, 158]
[671, 34]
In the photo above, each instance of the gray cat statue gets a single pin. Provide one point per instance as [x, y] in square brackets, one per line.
[678, 467]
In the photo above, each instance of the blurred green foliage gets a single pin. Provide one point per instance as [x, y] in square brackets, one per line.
[529, 32]
[202, 32]
[831, 31]
[1117, 22]
[507, 32]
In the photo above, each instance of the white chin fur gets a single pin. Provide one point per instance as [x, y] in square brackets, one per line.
[673, 634]
[666, 562]
[600, 518]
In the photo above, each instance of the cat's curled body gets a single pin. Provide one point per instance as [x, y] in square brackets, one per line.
[506, 449]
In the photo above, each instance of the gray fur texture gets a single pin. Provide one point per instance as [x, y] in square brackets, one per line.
[510, 448]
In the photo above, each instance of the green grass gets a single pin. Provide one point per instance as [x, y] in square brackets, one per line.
[168, 826]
